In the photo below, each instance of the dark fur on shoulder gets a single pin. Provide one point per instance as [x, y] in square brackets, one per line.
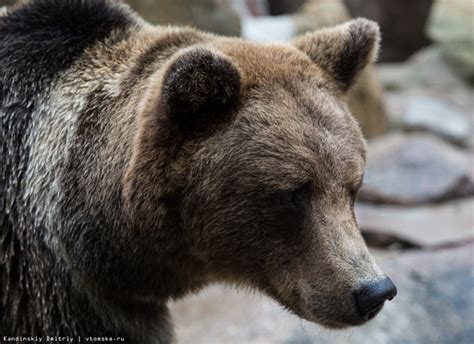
[43, 37]
[38, 41]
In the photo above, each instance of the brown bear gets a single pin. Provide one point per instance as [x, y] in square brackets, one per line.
[141, 163]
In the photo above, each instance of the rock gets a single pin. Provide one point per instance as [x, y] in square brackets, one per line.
[439, 117]
[415, 169]
[209, 15]
[422, 226]
[396, 104]
[451, 25]
[431, 112]
[434, 305]
[399, 39]
[417, 76]
[415, 79]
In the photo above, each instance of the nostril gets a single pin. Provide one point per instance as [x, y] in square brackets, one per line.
[371, 297]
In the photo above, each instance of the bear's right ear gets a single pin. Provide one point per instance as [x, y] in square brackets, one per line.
[344, 50]
[199, 86]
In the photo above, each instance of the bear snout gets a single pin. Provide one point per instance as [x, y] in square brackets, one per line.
[353, 307]
[372, 296]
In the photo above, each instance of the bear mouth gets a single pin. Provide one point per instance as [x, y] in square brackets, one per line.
[335, 315]
[373, 313]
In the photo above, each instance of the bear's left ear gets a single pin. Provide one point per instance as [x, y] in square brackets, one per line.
[343, 51]
[199, 86]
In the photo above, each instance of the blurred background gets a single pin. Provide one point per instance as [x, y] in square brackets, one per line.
[416, 207]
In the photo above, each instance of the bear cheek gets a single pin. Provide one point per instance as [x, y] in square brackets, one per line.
[264, 246]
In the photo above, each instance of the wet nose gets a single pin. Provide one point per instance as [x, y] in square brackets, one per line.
[371, 297]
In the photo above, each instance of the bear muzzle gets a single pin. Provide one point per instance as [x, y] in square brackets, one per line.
[371, 297]
[350, 306]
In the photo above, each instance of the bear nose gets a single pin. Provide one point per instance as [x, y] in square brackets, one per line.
[371, 297]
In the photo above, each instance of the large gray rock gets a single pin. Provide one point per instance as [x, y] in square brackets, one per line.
[422, 226]
[427, 73]
[439, 117]
[414, 169]
[413, 83]
[442, 115]
[434, 305]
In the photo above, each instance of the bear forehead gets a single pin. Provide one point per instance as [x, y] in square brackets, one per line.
[272, 62]
[286, 137]
[295, 143]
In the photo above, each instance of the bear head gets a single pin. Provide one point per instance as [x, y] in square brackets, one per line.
[252, 152]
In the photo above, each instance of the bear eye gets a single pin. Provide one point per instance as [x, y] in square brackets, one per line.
[300, 194]
[353, 192]
[353, 195]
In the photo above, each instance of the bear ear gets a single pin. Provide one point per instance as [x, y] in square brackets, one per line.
[343, 51]
[199, 86]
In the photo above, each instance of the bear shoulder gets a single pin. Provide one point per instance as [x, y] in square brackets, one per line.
[48, 35]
